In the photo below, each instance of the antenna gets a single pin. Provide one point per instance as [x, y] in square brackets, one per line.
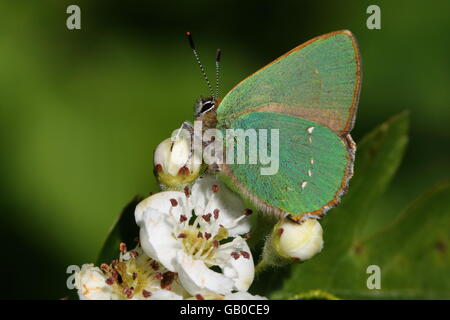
[191, 43]
[218, 54]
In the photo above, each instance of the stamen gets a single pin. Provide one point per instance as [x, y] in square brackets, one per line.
[127, 291]
[235, 255]
[245, 254]
[182, 236]
[158, 276]
[216, 213]
[174, 202]
[247, 236]
[199, 297]
[215, 188]
[154, 265]
[104, 267]
[207, 235]
[110, 281]
[199, 235]
[123, 247]
[158, 168]
[146, 293]
[248, 212]
[134, 276]
[199, 252]
[184, 171]
[183, 218]
[167, 279]
[187, 192]
[207, 217]
[216, 244]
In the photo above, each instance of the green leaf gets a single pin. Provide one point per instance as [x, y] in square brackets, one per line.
[123, 230]
[314, 295]
[413, 251]
[377, 159]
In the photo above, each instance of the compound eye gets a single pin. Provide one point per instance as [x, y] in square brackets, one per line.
[206, 106]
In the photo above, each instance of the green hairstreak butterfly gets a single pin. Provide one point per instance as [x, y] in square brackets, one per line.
[311, 95]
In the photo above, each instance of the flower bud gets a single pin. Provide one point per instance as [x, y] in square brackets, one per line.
[291, 241]
[297, 241]
[175, 163]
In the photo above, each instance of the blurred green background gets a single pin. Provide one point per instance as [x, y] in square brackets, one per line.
[81, 111]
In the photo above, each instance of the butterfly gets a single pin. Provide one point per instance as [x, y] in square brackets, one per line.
[311, 95]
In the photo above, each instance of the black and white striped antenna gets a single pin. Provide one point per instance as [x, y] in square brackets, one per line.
[202, 69]
[218, 54]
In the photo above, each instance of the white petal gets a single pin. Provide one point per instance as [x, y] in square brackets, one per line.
[241, 270]
[162, 153]
[91, 285]
[157, 239]
[197, 278]
[164, 295]
[229, 204]
[179, 156]
[242, 295]
[160, 202]
[301, 241]
[157, 225]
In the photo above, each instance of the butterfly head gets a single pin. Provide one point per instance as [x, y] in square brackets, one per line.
[205, 110]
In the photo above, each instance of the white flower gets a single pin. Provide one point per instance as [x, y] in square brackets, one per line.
[243, 296]
[133, 276]
[91, 284]
[175, 162]
[197, 235]
[298, 241]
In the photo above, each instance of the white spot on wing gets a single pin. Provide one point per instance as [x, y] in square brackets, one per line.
[304, 183]
[310, 129]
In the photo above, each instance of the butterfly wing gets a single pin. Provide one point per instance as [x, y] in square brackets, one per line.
[319, 80]
[313, 169]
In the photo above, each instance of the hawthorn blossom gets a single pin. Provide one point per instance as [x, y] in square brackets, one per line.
[298, 241]
[175, 163]
[133, 276]
[197, 234]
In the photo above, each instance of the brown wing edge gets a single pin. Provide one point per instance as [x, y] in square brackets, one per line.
[357, 90]
[264, 207]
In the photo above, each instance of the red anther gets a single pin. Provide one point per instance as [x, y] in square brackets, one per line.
[235, 255]
[216, 213]
[207, 217]
[245, 254]
[187, 192]
[184, 171]
[146, 293]
[158, 168]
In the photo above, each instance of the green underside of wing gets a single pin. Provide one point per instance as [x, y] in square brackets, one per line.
[316, 160]
[317, 83]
